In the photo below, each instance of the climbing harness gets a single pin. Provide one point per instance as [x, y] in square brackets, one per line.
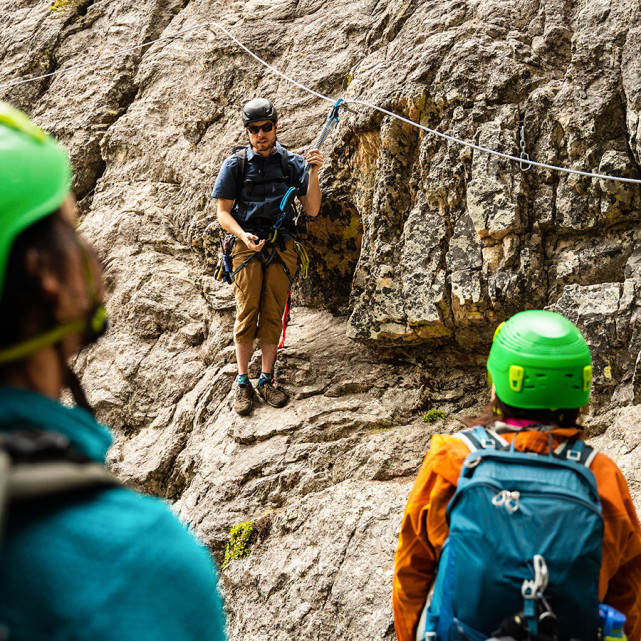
[224, 271]
[274, 257]
[303, 258]
[267, 258]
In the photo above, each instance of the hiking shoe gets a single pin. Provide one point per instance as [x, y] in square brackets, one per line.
[272, 395]
[244, 399]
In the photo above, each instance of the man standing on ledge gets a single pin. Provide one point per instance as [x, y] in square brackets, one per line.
[249, 189]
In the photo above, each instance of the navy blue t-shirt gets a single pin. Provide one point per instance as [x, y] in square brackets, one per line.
[259, 208]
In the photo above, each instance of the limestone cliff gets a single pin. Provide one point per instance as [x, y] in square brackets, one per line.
[421, 248]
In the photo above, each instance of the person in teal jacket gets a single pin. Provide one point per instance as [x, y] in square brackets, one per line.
[103, 564]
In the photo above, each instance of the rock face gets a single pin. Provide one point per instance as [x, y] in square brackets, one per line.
[421, 248]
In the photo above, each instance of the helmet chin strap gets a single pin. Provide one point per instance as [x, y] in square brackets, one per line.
[73, 382]
[93, 327]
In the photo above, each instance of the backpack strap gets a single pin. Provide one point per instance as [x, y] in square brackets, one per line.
[481, 438]
[241, 168]
[40, 464]
[284, 165]
[36, 480]
[290, 182]
[577, 451]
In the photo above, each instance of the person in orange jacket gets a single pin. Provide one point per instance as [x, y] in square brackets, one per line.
[425, 528]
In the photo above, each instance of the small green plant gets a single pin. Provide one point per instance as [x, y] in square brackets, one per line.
[431, 416]
[238, 544]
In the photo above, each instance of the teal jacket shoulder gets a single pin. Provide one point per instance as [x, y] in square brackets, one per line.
[108, 564]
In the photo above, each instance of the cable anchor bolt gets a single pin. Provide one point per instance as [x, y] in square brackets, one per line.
[524, 164]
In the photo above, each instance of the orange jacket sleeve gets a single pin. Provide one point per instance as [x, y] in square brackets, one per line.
[620, 583]
[423, 532]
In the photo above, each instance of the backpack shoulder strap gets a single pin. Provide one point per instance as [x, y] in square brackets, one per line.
[291, 181]
[241, 156]
[5, 471]
[37, 464]
[36, 480]
[481, 438]
[577, 451]
[241, 168]
[284, 165]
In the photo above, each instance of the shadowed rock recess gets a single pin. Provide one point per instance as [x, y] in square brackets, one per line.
[422, 247]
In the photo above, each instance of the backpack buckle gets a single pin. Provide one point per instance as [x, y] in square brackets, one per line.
[471, 464]
[488, 443]
[532, 588]
[573, 455]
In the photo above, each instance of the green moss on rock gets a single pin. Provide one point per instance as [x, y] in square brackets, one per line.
[431, 416]
[238, 544]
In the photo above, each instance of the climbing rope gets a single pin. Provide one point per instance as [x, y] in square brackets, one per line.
[518, 159]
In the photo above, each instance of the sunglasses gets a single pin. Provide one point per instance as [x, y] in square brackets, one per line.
[254, 129]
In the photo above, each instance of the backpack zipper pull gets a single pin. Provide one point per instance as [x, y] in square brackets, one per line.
[509, 499]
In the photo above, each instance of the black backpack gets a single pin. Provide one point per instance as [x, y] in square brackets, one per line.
[240, 175]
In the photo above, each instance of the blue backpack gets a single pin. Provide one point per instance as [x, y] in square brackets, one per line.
[525, 536]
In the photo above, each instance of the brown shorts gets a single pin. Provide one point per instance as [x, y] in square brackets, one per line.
[261, 294]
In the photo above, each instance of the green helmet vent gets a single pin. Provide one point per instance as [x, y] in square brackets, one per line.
[587, 378]
[516, 378]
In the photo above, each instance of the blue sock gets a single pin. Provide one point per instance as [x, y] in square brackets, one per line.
[265, 378]
[243, 379]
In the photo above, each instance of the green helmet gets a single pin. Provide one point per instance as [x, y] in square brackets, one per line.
[540, 360]
[35, 178]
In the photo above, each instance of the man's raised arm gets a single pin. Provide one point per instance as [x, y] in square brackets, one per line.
[311, 201]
